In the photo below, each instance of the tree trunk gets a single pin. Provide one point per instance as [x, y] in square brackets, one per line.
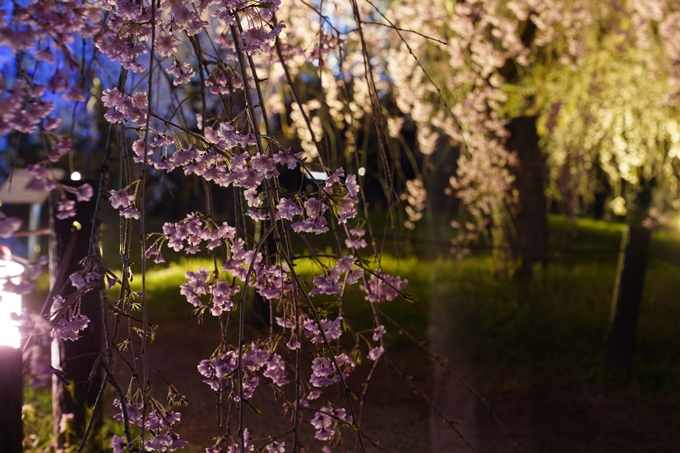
[630, 278]
[75, 358]
[531, 221]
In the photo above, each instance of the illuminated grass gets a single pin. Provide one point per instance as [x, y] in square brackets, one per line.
[557, 323]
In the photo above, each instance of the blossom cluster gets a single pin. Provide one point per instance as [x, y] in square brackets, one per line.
[381, 287]
[234, 44]
[8, 226]
[326, 372]
[43, 179]
[158, 422]
[125, 202]
[125, 108]
[326, 421]
[249, 446]
[253, 360]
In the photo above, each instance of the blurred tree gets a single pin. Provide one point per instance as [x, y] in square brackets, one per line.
[477, 72]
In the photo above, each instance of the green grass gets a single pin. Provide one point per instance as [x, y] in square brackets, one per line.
[553, 327]
[166, 302]
[38, 426]
[556, 324]
[37, 417]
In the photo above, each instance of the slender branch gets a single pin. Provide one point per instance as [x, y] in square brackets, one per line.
[435, 409]
[442, 362]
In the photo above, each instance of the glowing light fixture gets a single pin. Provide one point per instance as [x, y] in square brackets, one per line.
[76, 176]
[10, 303]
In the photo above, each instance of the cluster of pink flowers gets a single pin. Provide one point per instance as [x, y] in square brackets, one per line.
[332, 330]
[43, 179]
[274, 282]
[356, 239]
[30, 26]
[253, 360]
[183, 72]
[227, 152]
[8, 226]
[341, 195]
[125, 202]
[270, 281]
[381, 287]
[326, 372]
[158, 422]
[331, 282]
[68, 322]
[17, 114]
[326, 421]
[125, 108]
[249, 446]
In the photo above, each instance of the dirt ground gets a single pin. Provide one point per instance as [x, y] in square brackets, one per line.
[569, 418]
[392, 417]
[539, 417]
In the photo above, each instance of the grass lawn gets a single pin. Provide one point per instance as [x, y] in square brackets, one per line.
[553, 327]
[556, 323]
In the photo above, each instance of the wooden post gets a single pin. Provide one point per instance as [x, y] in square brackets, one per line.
[75, 358]
[11, 400]
[627, 296]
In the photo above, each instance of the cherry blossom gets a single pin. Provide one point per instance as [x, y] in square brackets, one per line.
[325, 372]
[8, 226]
[355, 239]
[66, 208]
[378, 333]
[325, 422]
[276, 447]
[118, 443]
[383, 287]
[191, 91]
[120, 198]
[83, 192]
[375, 353]
[69, 329]
[287, 209]
[130, 213]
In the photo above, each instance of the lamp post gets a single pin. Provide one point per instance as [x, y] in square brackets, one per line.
[11, 388]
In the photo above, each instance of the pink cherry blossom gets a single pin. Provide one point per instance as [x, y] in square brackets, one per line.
[69, 329]
[375, 353]
[378, 333]
[120, 198]
[130, 213]
[382, 287]
[8, 226]
[276, 447]
[118, 443]
[287, 209]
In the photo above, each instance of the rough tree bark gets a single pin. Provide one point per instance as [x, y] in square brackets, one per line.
[530, 241]
[75, 359]
[630, 279]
